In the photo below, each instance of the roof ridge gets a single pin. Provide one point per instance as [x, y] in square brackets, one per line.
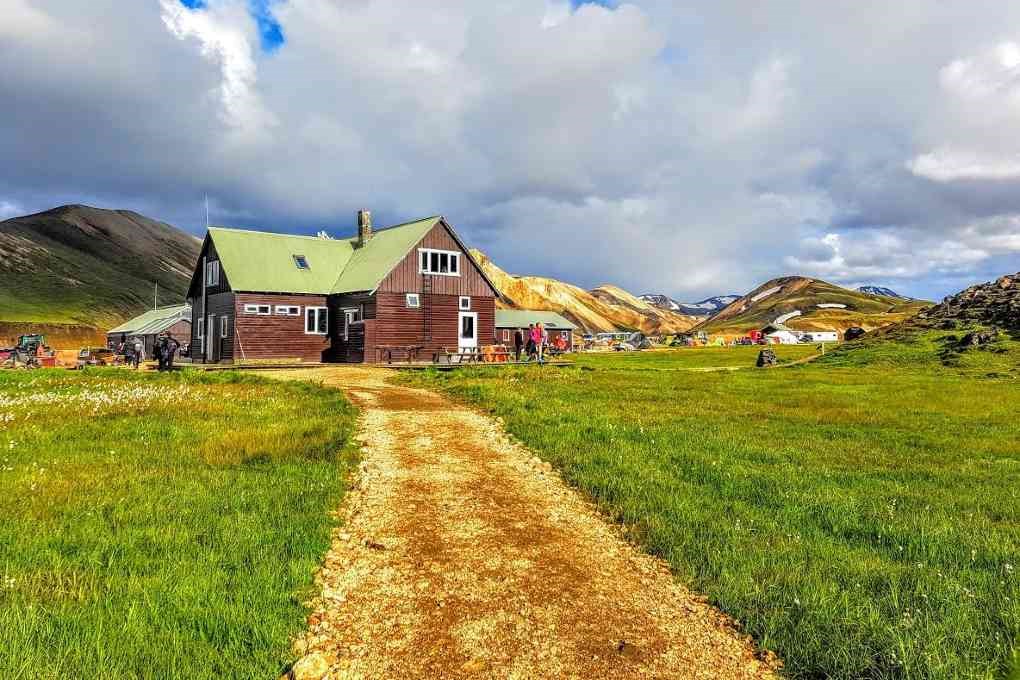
[340, 274]
[277, 233]
[317, 238]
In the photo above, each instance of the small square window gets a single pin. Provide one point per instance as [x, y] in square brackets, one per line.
[412, 300]
[301, 262]
[465, 302]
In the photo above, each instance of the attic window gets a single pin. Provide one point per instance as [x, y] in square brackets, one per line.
[301, 262]
[443, 262]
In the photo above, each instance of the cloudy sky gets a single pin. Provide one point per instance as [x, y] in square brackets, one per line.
[689, 148]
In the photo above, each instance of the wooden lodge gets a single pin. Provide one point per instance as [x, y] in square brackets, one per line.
[410, 290]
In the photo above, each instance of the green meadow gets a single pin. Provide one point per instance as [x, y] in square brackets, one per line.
[859, 514]
[162, 526]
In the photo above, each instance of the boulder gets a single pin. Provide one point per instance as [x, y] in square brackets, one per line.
[767, 357]
[311, 667]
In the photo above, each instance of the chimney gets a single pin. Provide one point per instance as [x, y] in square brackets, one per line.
[364, 227]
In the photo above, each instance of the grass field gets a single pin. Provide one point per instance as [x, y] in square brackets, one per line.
[859, 515]
[161, 526]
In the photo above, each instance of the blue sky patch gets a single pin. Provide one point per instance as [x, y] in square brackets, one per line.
[270, 31]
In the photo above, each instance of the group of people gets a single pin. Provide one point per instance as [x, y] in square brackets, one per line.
[165, 350]
[533, 341]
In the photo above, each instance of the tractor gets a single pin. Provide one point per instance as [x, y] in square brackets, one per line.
[30, 352]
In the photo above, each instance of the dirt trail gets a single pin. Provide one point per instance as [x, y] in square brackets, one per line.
[463, 556]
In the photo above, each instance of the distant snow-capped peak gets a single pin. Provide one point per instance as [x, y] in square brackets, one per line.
[706, 307]
[881, 290]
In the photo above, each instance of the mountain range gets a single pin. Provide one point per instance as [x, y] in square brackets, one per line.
[706, 307]
[803, 303]
[74, 271]
[603, 309]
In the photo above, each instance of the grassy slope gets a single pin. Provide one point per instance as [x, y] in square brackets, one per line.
[167, 527]
[85, 266]
[868, 311]
[864, 522]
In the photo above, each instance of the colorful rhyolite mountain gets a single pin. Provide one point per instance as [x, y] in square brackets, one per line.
[803, 303]
[603, 309]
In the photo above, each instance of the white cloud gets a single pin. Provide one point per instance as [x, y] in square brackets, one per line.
[222, 32]
[10, 209]
[947, 165]
[684, 147]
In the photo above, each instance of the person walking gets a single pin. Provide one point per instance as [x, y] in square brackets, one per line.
[536, 341]
[518, 344]
[529, 347]
[139, 353]
[543, 340]
[171, 349]
[160, 350]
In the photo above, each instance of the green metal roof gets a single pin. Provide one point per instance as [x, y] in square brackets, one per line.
[371, 264]
[264, 262]
[258, 261]
[154, 320]
[520, 318]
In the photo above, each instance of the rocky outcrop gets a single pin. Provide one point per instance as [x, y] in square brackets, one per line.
[994, 304]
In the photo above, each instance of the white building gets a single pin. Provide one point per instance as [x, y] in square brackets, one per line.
[783, 337]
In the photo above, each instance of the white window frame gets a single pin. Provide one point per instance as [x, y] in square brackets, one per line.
[297, 264]
[506, 335]
[358, 314]
[288, 310]
[200, 335]
[412, 301]
[453, 262]
[224, 325]
[256, 309]
[317, 313]
[212, 273]
[461, 304]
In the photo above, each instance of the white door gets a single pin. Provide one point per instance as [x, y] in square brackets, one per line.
[468, 333]
[209, 337]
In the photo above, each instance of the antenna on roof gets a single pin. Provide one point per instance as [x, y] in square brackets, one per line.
[155, 295]
[207, 211]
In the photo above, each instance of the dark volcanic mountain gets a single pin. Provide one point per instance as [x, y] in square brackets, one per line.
[82, 266]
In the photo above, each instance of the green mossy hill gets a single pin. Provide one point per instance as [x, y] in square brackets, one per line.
[77, 265]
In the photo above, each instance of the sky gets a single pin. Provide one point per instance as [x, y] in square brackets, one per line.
[685, 148]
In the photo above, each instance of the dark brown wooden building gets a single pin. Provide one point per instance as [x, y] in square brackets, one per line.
[267, 296]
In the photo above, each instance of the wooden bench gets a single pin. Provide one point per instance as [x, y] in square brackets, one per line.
[462, 356]
[410, 352]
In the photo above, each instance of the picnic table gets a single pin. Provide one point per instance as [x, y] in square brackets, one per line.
[469, 355]
[410, 352]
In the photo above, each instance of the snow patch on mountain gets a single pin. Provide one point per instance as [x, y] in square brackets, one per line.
[706, 307]
[882, 290]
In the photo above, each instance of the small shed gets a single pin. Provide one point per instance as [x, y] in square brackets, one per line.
[175, 320]
[508, 320]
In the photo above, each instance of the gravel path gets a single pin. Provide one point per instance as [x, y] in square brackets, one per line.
[461, 555]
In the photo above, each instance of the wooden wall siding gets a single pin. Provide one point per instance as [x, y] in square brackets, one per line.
[405, 277]
[219, 304]
[395, 324]
[274, 336]
[198, 276]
